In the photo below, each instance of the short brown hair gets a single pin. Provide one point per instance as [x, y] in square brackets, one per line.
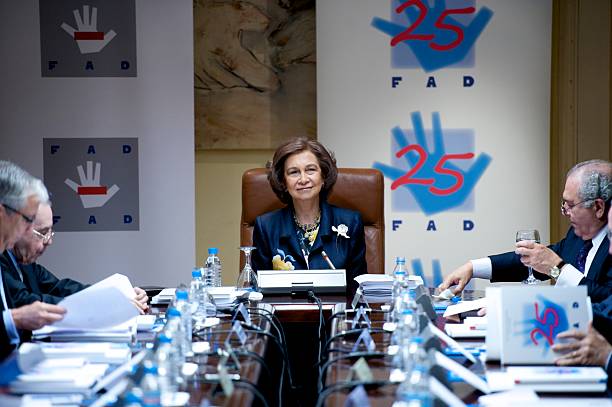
[276, 169]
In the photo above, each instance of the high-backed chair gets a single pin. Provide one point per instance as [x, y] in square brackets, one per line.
[359, 189]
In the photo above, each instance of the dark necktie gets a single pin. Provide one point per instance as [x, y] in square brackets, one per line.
[582, 255]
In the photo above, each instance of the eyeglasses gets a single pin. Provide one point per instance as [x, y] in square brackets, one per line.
[28, 219]
[44, 237]
[567, 208]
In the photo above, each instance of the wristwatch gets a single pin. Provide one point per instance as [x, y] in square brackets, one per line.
[556, 270]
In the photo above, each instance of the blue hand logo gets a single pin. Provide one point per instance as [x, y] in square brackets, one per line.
[436, 39]
[436, 183]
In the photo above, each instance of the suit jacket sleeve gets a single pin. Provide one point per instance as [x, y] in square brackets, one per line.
[51, 289]
[602, 318]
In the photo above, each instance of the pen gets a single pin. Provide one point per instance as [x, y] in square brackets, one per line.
[328, 260]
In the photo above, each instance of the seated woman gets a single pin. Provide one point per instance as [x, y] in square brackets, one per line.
[305, 232]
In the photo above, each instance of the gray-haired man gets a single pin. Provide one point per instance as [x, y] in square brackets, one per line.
[20, 196]
[580, 258]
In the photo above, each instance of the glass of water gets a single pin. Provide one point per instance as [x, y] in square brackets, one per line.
[530, 235]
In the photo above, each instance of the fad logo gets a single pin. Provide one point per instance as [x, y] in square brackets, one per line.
[435, 36]
[433, 170]
[93, 183]
[87, 38]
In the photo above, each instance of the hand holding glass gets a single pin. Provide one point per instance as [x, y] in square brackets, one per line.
[530, 235]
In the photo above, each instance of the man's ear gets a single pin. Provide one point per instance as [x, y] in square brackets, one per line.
[600, 209]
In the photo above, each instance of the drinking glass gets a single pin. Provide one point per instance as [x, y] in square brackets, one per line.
[247, 279]
[530, 235]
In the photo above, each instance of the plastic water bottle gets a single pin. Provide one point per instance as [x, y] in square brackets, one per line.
[399, 276]
[183, 306]
[213, 263]
[151, 396]
[174, 330]
[198, 296]
[414, 391]
[167, 367]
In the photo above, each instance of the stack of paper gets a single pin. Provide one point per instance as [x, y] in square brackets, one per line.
[125, 332]
[379, 287]
[60, 376]
[225, 296]
[164, 297]
[94, 352]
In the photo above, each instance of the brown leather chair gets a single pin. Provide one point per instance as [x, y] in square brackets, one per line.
[359, 189]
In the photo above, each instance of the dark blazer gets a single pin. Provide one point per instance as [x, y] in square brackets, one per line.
[602, 318]
[5, 345]
[38, 284]
[276, 231]
[508, 266]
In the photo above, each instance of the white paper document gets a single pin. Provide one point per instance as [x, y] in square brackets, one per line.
[84, 310]
[465, 306]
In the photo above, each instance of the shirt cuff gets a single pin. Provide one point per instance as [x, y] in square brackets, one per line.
[569, 277]
[483, 268]
[11, 329]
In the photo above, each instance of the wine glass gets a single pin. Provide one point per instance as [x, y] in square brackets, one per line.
[247, 279]
[530, 235]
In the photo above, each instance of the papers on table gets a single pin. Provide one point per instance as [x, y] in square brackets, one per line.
[94, 352]
[223, 296]
[549, 379]
[378, 288]
[124, 332]
[83, 308]
[472, 327]
[69, 376]
[165, 296]
[465, 306]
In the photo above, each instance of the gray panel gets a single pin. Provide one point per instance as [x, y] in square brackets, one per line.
[90, 38]
[82, 202]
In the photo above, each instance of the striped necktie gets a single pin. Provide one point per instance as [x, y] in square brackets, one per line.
[582, 255]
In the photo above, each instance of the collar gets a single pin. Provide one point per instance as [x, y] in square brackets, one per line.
[599, 237]
[288, 225]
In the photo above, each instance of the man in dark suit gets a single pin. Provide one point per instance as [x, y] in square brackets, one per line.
[29, 281]
[580, 258]
[20, 195]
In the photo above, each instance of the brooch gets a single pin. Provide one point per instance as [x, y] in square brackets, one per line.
[283, 263]
[341, 230]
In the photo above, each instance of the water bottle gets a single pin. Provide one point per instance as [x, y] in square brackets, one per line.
[399, 275]
[151, 396]
[183, 306]
[213, 263]
[167, 367]
[198, 297]
[174, 330]
[414, 390]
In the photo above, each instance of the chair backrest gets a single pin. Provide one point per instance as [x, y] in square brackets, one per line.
[359, 189]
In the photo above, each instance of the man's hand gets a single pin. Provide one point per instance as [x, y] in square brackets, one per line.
[460, 277]
[537, 256]
[590, 348]
[36, 315]
[141, 300]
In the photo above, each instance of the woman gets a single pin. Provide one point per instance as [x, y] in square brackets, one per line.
[308, 233]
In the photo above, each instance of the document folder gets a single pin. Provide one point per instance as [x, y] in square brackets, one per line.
[294, 281]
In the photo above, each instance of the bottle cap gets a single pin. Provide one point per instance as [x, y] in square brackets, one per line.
[196, 273]
[150, 369]
[400, 260]
[213, 250]
[181, 295]
[173, 312]
[163, 338]
[417, 339]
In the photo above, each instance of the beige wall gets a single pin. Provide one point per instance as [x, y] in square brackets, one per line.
[218, 176]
